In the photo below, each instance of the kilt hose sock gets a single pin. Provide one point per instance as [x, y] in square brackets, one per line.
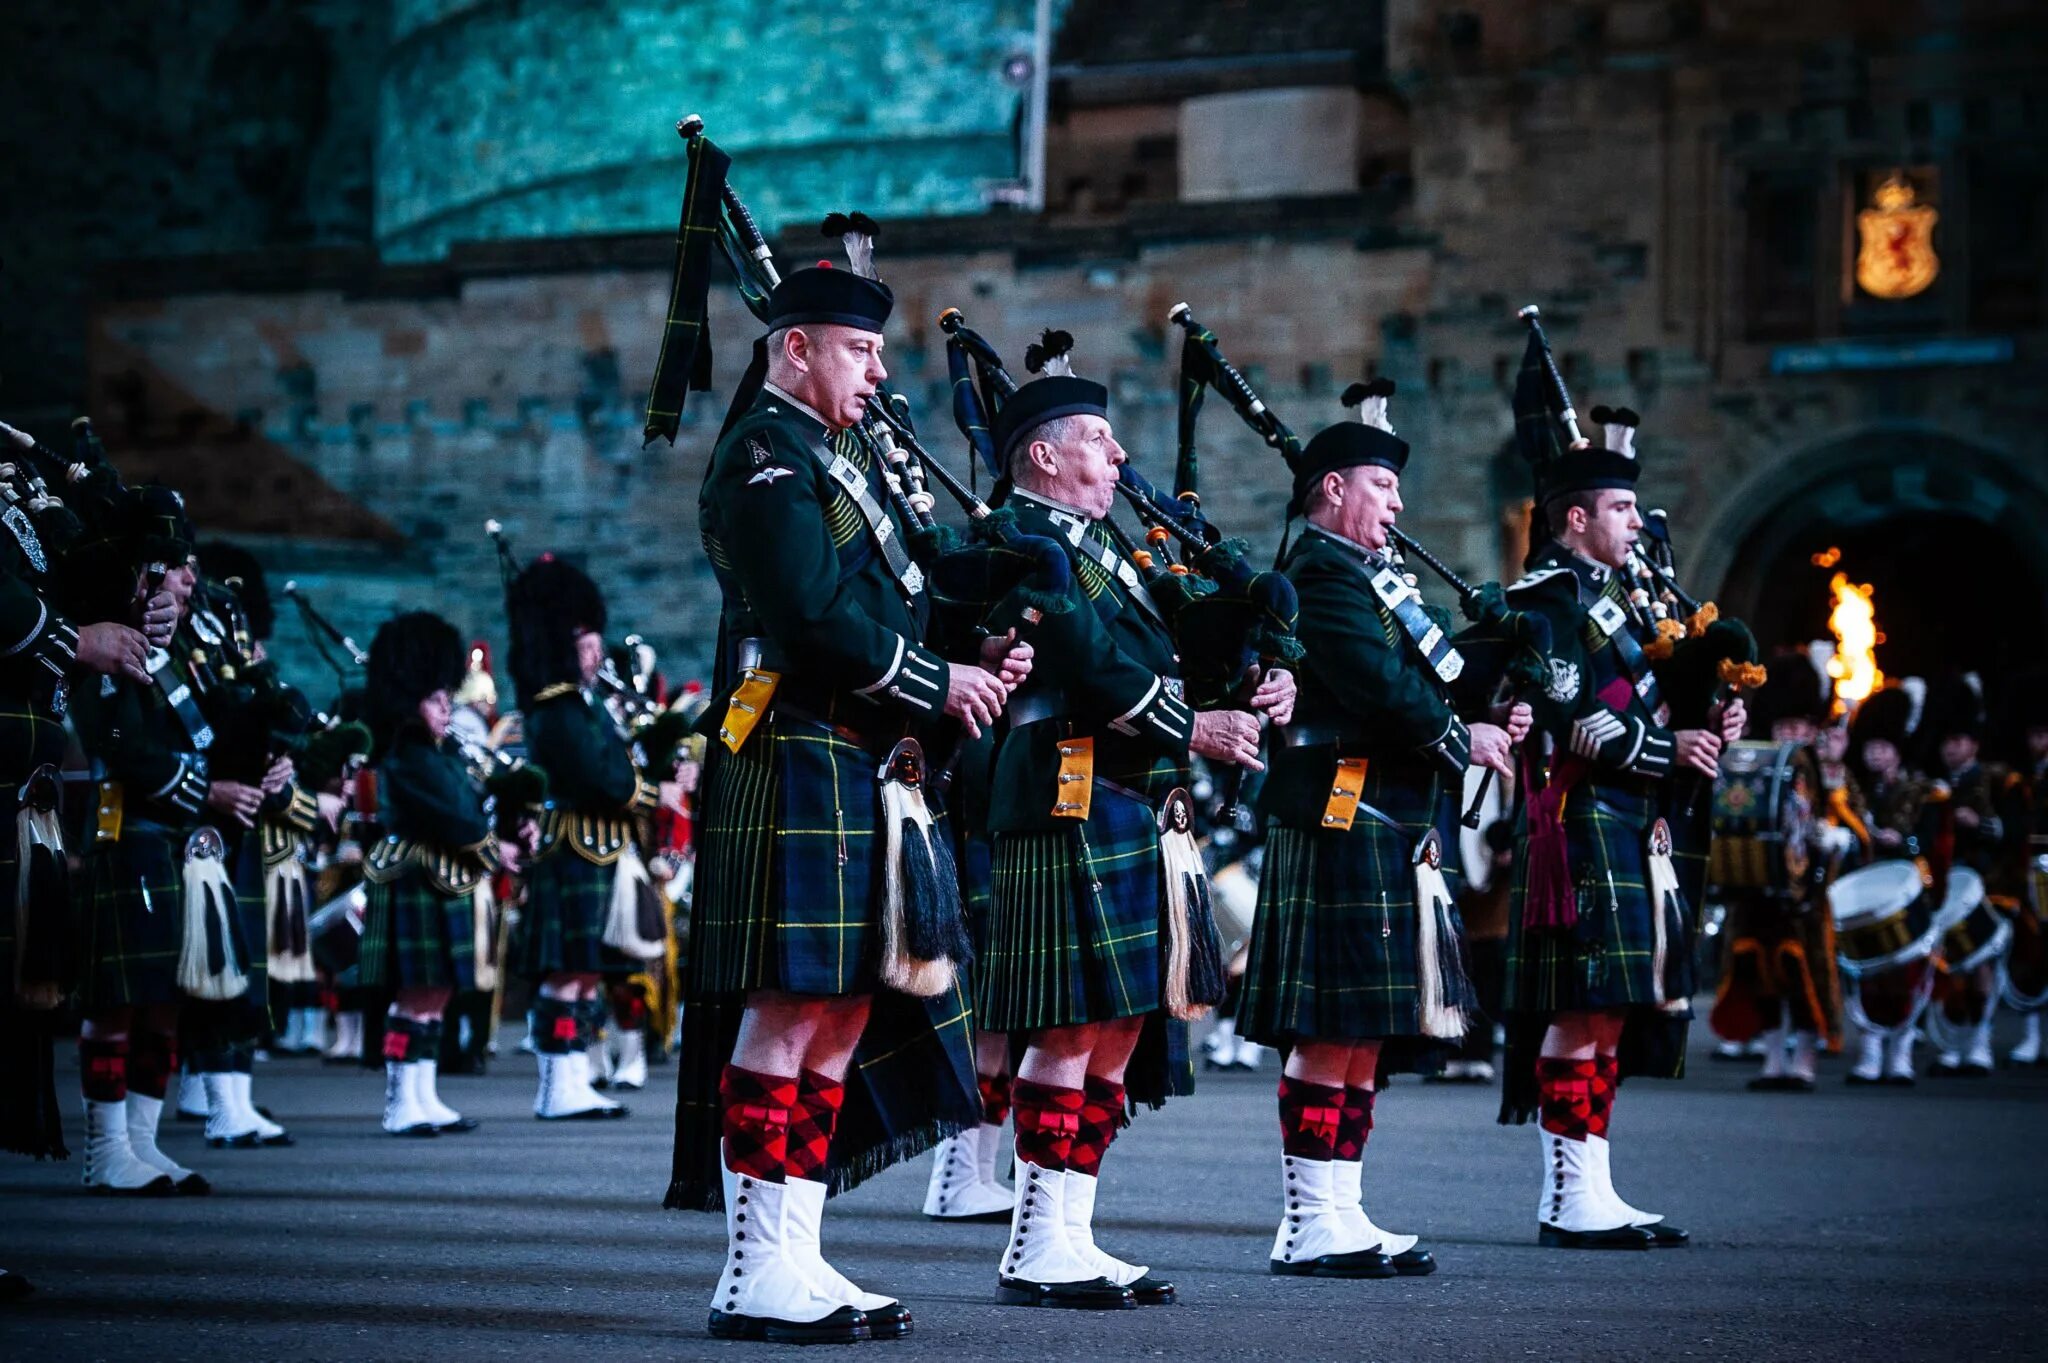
[103, 1069]
[1101, 1117]
[1566, 1089]
[1048, 1122]
[755, 1112]
[1354, 1124]
[812, 1120]
[1310, 1116]
[995, 1098]
[1606, 1079]
[152, 1060]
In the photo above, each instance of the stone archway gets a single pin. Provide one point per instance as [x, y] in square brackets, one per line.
[1953, 536]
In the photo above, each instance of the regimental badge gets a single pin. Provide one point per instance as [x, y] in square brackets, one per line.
[25, 533]
[1896, 258]
[1562, 685]
[757, 452]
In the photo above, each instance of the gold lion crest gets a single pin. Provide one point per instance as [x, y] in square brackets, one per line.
[1896, 259]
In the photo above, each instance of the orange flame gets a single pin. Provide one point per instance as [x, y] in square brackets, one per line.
[1828, 557]
[1854, 623]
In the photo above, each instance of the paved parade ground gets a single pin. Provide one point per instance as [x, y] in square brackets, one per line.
[1853, 1224]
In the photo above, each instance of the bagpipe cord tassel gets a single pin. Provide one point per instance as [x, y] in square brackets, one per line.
[1439, 972]
[40, 905]
[285, 890]
[626, 925]
[209, 967]
[922, 928]
[484, 935]
[1194, 952]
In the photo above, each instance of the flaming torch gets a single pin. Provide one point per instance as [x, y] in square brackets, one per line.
[1854, 623]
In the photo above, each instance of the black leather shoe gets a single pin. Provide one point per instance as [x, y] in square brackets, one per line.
[1666, 1236]
[1780, 1083]
[417, 1131]
[998, 1215]
[844, 1326]
[1973, 1071]
[1151, 1291]
[1618, 1237]
[456, 1127]
[1096, 1294]
[194, 1185]
[1857, 1081]
[13, 1287]
[889, 1322]
[251, 1140]
[591, 1114]
[1900, 1081]
[1363, 1263]
[1414, 1263]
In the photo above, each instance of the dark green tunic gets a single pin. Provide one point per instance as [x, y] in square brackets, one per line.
[1334, 948]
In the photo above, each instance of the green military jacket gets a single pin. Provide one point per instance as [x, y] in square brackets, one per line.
[136, 732]
[800, 533]
[1105, 669]
[1365, 690]
[595, 794]
[38, 648]
[1600, 702]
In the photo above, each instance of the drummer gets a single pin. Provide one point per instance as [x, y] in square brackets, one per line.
[1779, 974]
[2027, 989]
[1952, 726]
[1879, 738]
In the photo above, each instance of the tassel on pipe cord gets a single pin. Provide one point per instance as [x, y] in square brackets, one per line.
[1567, 415]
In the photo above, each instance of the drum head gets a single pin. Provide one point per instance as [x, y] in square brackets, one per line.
[1965, 892]
[1874, 892]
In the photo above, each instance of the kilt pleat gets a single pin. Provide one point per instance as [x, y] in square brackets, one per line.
[1334, 951]
[1073, 923]
[416, 937]
[131, 898]
[561, 923]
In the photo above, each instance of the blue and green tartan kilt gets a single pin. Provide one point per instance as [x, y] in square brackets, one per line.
[132, 914]
[1334, 950]
[1073, 921]
[974, 853]
[1608, 959]
[417, 937]
[789, 875]
[561, 924]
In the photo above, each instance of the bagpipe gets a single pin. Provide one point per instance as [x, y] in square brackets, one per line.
[1230, 621]
[1505, 651]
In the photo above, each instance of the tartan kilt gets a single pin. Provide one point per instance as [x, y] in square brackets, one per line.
[561, 922]
[131, 906]
[1073, 921]
[416, 937]
[974, 854]
[1606, 961]
[788, 886]
[1334, 949]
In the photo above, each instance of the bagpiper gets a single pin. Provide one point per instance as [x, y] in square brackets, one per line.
[429, 920]
[49, 653]
[591, 913]
[161, 923]
[1600, 973]
[819, 1046]
[1096, 879]
[1355, 952]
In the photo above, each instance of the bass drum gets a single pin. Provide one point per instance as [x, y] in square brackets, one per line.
[1765, 820]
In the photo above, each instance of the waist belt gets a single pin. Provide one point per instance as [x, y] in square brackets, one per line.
[1034, 708]
[1313, 735]
[885, 735]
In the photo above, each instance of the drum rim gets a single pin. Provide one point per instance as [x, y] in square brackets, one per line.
[1886, 866]
[2000, 943]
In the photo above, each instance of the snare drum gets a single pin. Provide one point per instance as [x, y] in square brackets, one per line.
[1234, 898]
[1884, 917]
[336, 931]
[1765, 828]
[1972, 931]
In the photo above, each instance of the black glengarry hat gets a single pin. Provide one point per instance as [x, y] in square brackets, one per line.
[1056, 393]
[1350, 444]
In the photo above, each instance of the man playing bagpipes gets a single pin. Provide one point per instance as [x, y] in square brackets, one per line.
[164, 931]
[826, 1033]
[592, 915]
[44, 654]
[1355, 952]
[1600, 972]
[1100, 944]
